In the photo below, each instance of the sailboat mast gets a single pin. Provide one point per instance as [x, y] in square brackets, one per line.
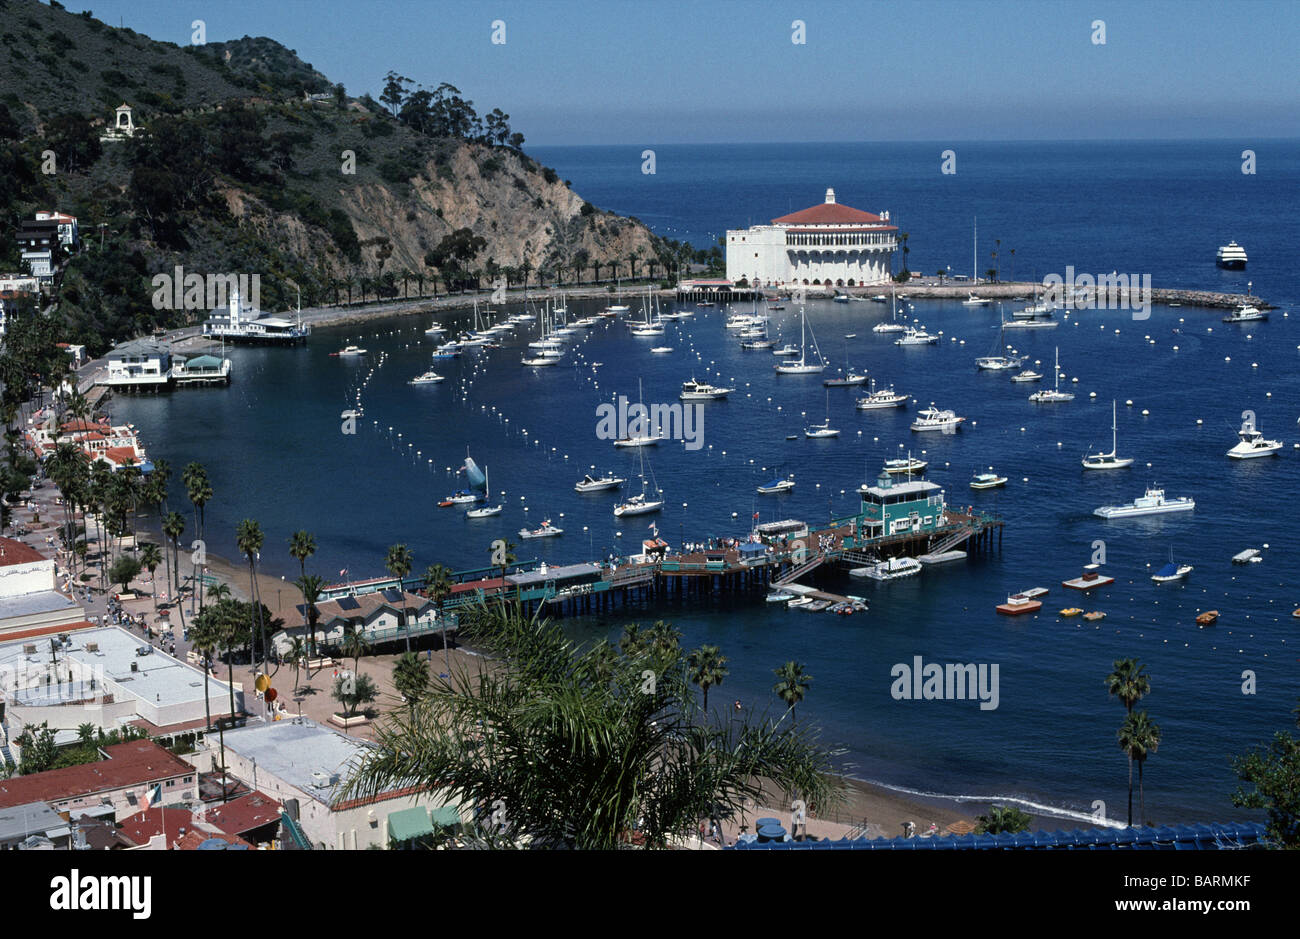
[975, 253]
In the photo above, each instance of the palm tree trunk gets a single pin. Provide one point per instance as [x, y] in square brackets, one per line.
[1130, 790]
[207, 706]
[1142, 799]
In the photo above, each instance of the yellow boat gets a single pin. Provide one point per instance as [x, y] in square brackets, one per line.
[1094, 616]
[1071, 611]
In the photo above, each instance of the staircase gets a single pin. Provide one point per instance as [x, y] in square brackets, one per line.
[796, 572]
[296, 835]
[858, 557]
[951, 541]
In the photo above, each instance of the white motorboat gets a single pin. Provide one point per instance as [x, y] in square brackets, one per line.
[846, 381]
[1054, 395]
[933, 418]
[1246, 313]
[1031, 324]
[590, 483]
[976, 300]
[661, 350]
[447, 350]
[546, 531]
[1231, 257]
[428, 378]
[435, 330]
[989, 480]
[1253, 444]
[881, 398]
[779, 596]
[1027, 375]
[777, 486]
[757, 344]
[702, 391]
[1171, 572]
[349, 351]
[1105, 461]
[910, 466]
[889, 569]
[915, 337]
[540, 360]
[1152, 503]
[786, 350]
[484, 511]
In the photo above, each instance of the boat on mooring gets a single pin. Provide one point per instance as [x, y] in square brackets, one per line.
[546, 531]
[702, 391]
[1090, 578]
[1055, 395]
[1105, 461]
[889, 569]
[1153, 502]
[590, 483]
[908, 467]
[428, 378]
[933, 418]
[1253, 443]
[777, 486]
[989, 480]
[881, 398]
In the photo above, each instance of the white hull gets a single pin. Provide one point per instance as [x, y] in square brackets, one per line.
[1107, 463]
[1130, 511]
[637, 508]
[483, 513]
[1240, 453]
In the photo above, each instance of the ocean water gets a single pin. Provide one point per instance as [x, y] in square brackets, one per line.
[274, 448]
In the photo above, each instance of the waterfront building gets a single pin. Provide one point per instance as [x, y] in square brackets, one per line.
[825, 245]
[241, 321]
[915, 506]
[201, 370]
[382, 616]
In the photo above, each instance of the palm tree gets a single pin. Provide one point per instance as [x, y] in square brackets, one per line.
[1128, 682]
[791, 685]
[151, 557]
[437, 581]
[205, 637]
[580, 762]
[311, 586]
[199, 491]
[398, 563]
[707, 666]
[302, 545]
[297, 652]
[248, 535]
[1138, 737]
[1002, 820]
[411, 678]
[355, 645]
[173, 527]
[86, 733]
[507, 558]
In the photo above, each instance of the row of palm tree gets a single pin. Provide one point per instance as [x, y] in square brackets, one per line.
[1138, 736]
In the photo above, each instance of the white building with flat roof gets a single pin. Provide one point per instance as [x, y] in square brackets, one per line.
[824, 245]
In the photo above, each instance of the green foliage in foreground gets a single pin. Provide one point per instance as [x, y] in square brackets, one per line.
[570, 747]
[1002, 820]
[1273, 769]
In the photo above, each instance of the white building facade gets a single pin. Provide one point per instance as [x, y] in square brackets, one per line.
[825, 245]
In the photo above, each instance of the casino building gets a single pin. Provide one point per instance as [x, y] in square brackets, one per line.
[828, 245]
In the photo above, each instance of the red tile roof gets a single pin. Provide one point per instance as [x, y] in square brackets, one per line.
[121, 455]
[144, 825]
[135, 763]
[15, 552]
[828, 213]
[46, 631]
[243, 814]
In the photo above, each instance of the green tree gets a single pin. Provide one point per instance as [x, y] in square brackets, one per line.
[355, 645]
[249, 537]
[86, 734]
[199, 490]
[398, 563]
[1002, 820]
[411, 678]
[173, 527]
[1272, 770]
[707, 666]
[311, 586]
[579, 762]
[150, 558]
[1129, 682]
[1138, 737]
[355, 691]
[294, 656]
[792, 684]
[123, 571]
[437, 581]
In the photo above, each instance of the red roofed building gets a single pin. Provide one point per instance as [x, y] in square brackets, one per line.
[824, 245]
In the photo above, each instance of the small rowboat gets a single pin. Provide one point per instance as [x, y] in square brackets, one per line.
[1296, 613]
[1207, 618]
[1071, 611]
[1094, 616]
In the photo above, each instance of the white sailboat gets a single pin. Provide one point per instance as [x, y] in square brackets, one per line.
[1000, 362]
[893, 326]
[645, 501]
[1055, 395]
[817, 431]
[802, 366]
[1105, 461]
[485, 511]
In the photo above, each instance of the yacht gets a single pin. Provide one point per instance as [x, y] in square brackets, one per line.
[428, 378]
[1231, 257]
[881, 398]
[999, 362]
[910, 466]
[1055, 395]
[975, 300]
[786, 350]
[349, 351]
[702, 391]
[988, 480]
[932, 418]
[1105, 461]
[447, 350]
[1246, 313]
[890, 569]
[802, 366]
[638, 505]
[893, 325]
[915, 337]
[1152, 503]
[846, 381]
[777, 485]
[637, 440]
[879, 298]
[1031, 324]
[758, 343]
[1027, 375]
[435, 330]
[546, 531]
[1253, 444]
[590, 483]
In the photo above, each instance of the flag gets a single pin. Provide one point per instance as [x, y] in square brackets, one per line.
[755, 515]
[152, 796]
[344, 572]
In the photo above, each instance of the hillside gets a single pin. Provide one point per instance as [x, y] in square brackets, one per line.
[237, 170]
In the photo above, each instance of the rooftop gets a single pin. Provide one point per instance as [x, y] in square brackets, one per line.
[294, 750]
[830, 213]
[15, 552]
[134, 763]
[19, 821]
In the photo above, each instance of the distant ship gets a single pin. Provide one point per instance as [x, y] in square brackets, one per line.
[1231, 257]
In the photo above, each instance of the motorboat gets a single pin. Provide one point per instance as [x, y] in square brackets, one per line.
[889, 569]
[1253, 444]
[435, 330]
[1231, 257]
[1246, 313]
[1171, 572]
[881, 398]
[447, 350]
[1027, 375]
[846, 381]
[756, 344]
[988, 480]
[661, 350]
[976, 300]
[777, 486]
[1208, 618]
[459, 497]
[909, 466]
[1105, 461]
[915, 337]
[428, 378]
[547, 530]
[840, 298]
[590, 483]
[1031, 324]
[349, 351]
[485, 511]
[786, 350]
[702, 391]
[1153, 502]
[933, 418]
[540, 360]
[1054, 395]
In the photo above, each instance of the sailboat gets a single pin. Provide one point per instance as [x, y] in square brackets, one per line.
[634, 439]
[477, 481]
[974, 299]
[997, 363]
[822, 430]
[620, 306]
[644, 502]
[484, 511]
[1171, 571]
[1056, 394]
[802, 367]
[648, 328]
[893, 326]
[1104, 461]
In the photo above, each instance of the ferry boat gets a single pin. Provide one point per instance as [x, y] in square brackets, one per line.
[349, 352]
[1246, 313]
[1055, 395]
[1152, 503]
[1253, 444]
[889, 569]
[881, 398]
[933, 418]
[428, 378]
[590, 483]
[1105, 461]
[1231, 257]
[915, 337]
[908, 466]
[702, 391]
[546, 531]
[987, 480]
[777, 486]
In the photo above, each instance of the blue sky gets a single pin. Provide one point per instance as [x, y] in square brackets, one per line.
[663, 71]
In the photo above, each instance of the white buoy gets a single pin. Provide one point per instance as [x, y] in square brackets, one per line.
[1128, 402]
[1145, 412]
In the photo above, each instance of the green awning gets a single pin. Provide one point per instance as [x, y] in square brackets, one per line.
[408, 824]
[448, 816]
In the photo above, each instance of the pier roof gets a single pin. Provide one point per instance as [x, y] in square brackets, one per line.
[566, 572]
